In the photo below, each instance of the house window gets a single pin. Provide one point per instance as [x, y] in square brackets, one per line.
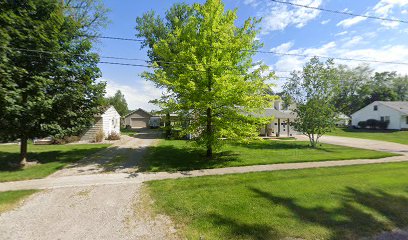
[406, 119]
[385, 118]
[375, 107]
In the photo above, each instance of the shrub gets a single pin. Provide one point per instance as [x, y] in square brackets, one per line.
[383, 124]
[113, 136]
[100, 135]
[362, 124]
[372, 123]
[128, 127]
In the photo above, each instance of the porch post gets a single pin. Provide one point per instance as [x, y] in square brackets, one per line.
[288, 127]
[279, 127]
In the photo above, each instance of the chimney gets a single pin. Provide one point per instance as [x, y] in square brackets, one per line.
[277, 105]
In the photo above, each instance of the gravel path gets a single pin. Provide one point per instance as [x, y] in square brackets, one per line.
[96, 212]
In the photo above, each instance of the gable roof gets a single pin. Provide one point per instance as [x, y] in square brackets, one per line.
[139, 109]
[396, 105]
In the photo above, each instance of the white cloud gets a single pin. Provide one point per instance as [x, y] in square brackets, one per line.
[341, 33]
[324, 22]
[404, 11]
[284, 47]
[277, 16]
[384, 7]
[353, 41]
[350, 21]
[137, 95]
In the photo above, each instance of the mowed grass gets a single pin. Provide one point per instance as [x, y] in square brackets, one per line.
[173, 155]
[50, 157]
[10, 199]
[382, 135]
[324, 203]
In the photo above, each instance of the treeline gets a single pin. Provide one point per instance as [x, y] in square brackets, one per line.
[360, 86]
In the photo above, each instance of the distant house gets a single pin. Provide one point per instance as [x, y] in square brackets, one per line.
[342, 120]
[108, 122]
[393, 111]
[281, 124]
[137, 119]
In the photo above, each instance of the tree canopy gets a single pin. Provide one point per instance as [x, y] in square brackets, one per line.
[48, 73]
[313, 90]
[119, 102]
[204, 62]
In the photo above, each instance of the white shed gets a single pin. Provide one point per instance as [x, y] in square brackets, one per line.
[108, 122]
[396, 112]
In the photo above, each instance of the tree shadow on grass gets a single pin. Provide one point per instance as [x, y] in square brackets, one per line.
[348, 221]
[279, 145]
[234, 229]
[171, 158]
[9, 160]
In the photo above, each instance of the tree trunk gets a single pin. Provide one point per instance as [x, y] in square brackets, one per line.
[23, 151]
[168, 125]
[209, 134]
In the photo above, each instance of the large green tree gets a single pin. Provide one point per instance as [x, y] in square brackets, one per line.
[119, 102]
[48, 73]
[313, 90]
[204, 61]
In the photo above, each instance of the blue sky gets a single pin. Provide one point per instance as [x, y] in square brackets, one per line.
[284, 29]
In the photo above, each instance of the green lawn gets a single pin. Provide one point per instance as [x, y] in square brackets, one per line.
[173, 155]
[325, 203]
[51, 158]
[382, 135]
[10, 199]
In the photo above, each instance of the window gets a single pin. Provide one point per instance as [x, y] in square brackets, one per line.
[375, 107]
[385, 118]
[406, 119]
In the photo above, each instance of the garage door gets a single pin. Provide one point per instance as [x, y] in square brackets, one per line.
[139, 122]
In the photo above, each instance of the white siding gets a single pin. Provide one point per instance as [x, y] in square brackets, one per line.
[111, 121]
[368, 113]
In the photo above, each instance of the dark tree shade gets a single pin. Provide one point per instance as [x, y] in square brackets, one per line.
[45, 93]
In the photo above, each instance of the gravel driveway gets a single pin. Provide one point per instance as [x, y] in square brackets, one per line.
[92, 212]
[97, 212]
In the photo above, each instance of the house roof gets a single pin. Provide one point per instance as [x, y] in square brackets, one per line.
[104, 109]
[139, 109]
[269, 112]
[396, 105]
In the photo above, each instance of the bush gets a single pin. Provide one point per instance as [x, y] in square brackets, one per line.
[372, 123]
[383, 124]
[128, 127]
[113, 136]
[362, 124]
[100, 135]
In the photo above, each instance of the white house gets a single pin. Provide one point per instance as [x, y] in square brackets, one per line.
[280, 125]
[108, 122]
[394, 112]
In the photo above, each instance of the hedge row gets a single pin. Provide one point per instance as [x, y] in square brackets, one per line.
[373, 123]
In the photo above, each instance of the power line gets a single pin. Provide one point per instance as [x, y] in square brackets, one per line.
[341, 12]
[328, 57]
[150, 66]
[112, 57]
[195, 64]
[115, 38]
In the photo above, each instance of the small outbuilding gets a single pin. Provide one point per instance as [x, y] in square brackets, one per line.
[137, 119]
[395, 112]
[108, 122]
